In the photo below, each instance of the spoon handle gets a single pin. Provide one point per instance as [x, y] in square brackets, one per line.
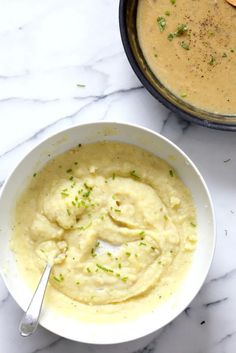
[30, 319]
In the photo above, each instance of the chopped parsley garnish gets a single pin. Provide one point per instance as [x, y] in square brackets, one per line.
[119, 265]
[183, 95]
[71, 177]
[64, 194]
[128, 254]
[193, 224]
[212, 61]
[93, 252]
[167, 13]
[142, 232]
[79, 145]
[227, 160]
[34, 175]
[224, 55]
[88, 270]
[86, 194]
[69, 170]
[80, 85]
[109, 254]
[173, 2]
[124, 279]
[181, 29]
[77, 282]
[117, 210]
[170, 36]
[113, 176]
[104, 268]
[184, 45]
[59, 279]
[142, 243]
[171, 173]
[68, 212]
[133, 174]
[161, 23]
[165, 217]
[152, 247]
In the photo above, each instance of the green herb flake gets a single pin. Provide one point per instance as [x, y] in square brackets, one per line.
[124, 279]
[224, 55]
[109, 254]
[71, 177]
[133, 174]
[142, 232]
[212, 61]
[181, 29]
[34, 175]
[104, 268]
[59, 279]
[79, 145]
[117, 275]
[136, 255]
[64, 194]
[128, 254]
[167, 13]
[171, 172]
[227, 160]
[86, 194]
[152, 247]
[232, 50]
[69, 170]
[119, 265]
[68, 212]
[80, 85]
[88, 270]
[113, 176]
[173, 2]
[161, 23]
[165, 217]
[170, 36]
[117, 210]
[183, 95]
[184, 45]
[142, 243]
[78, 283]
[193, 224]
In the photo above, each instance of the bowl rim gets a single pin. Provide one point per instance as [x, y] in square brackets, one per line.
[179, 111]
[133, 335]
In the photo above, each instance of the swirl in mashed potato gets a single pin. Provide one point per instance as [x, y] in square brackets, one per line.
[117, 222]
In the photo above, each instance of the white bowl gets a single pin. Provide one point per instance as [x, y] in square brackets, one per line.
[154, 143]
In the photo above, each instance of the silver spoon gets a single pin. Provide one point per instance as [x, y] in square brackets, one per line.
[30, 319]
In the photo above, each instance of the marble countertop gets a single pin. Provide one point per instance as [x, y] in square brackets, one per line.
[49, 48]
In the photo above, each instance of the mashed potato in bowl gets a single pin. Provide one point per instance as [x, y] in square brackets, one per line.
[117, 222]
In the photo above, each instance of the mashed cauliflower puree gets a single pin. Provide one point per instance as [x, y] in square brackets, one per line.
[117, 222]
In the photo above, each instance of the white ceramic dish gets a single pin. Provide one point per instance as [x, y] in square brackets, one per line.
[157, 144]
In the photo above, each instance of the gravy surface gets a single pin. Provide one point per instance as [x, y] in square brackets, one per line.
[190, 45]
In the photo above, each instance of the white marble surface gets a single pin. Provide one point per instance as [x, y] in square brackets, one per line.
[47, 48]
